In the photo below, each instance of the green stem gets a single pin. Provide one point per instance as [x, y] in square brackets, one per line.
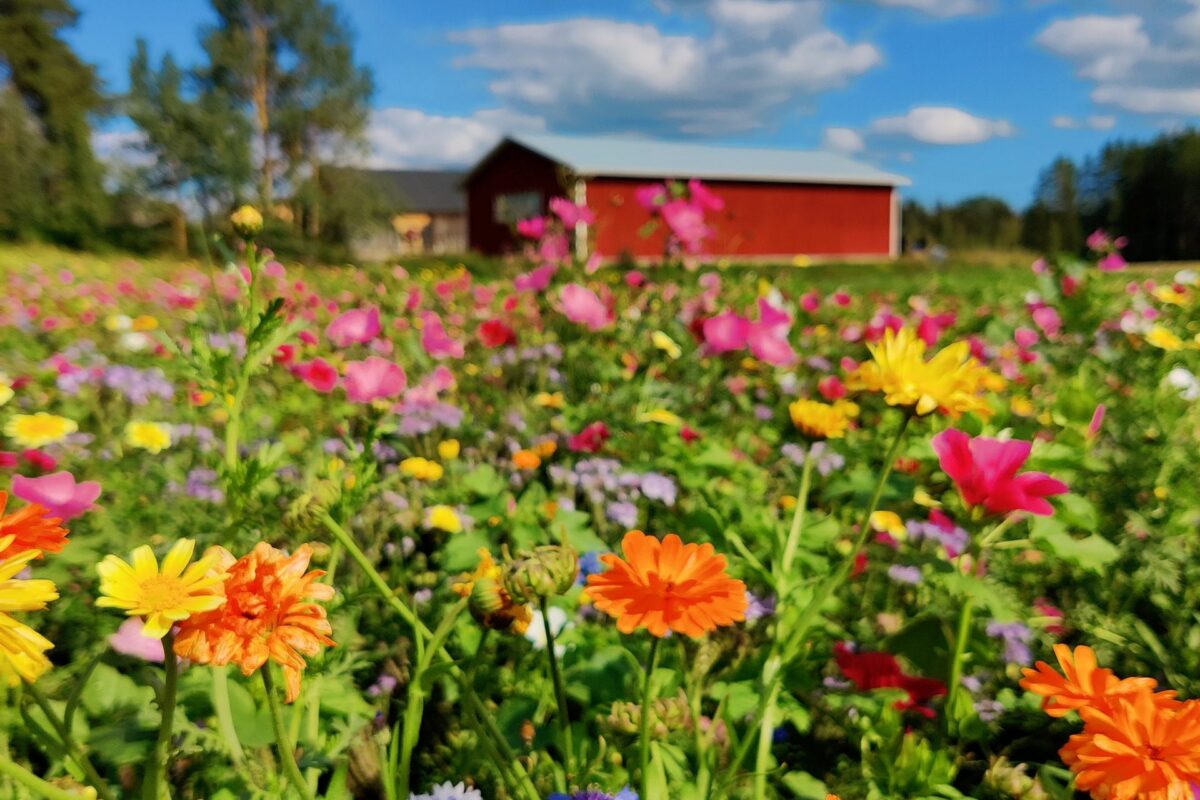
[647, 711]
[220, 698]
[993, 536]
[287, 751]
[154, 785]
[794, 535]
[33, 783]
[411, 732]
[68, 741]
[956, 665]
[560, 693]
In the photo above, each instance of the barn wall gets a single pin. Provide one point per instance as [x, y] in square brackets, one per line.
[759, 219]
[510, 171]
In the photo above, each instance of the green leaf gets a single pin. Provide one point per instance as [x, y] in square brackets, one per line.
[986, 594]
[1092, 552]
[923, 642]
[805, 786]
[461, 551]
[484, 481]
[253, 723]
[1078, 512]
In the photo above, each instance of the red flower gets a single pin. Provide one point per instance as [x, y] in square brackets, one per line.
[871, 670]
[985, 471]
[494, 333]
[688, 434]
[589, 440]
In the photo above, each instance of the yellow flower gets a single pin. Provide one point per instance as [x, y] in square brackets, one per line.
[787, 502]
[545, 448]
[6, 390]
[22, 649]
[924, 498]
[247, 221]
[449, 449]
[40, 429]
[666, 344]
[951, 382]
[889, 522]
[1169, 294]
[1163, 339]
[443, 518]
[162, 597]
[547, 400]
[662, 417]
[422, 469]
[801, 261]
[144, 323]
[153, 437]
[819, 420]
[526, 459]
[1022, 407]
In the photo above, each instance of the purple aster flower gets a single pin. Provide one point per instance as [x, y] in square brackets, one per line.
[989, 710]
[902, 573]
[384, 684]
[659, 487]
[624, 514]
[763, 413]
[759, 607]
[1016, 637]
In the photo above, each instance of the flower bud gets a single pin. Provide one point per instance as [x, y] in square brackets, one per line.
[303, 512]
[545, 572]
[247, 222]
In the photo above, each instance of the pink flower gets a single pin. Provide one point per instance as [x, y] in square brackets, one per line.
[570, 213]
[58, 492]
[374, 379]
[129, 641]
[726, 332]
[1113, 262]
[436, 341]
[811, 301]
[1048, 320]
[651, 196]
[357, 326]
[535, 281]
[1097, 419]
[704, 197]
[1098, 241]
[1025, 337]
[686, 221]
[770, 344]
[532, 228]
[555, 248]
[932, 326]
[581, 305]
[985, 471]
[319, 374]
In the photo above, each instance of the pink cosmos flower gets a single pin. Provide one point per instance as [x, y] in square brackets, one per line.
[374, 379]
[651, 196]
[1098, 240]
[704, 197]
[932, 326]
[356, 326]
[686, 221]
[726, 332]
[581, 305]
[58, 492]
[318, 373]
[770, 344]
[129, 641]
[985, 471]
[532, 228]
[535, 281]
[1048, 320]
[1025, 337]
[571, 213]
[436, 341]
[555, 248]
[811, 301]
[1113, 262]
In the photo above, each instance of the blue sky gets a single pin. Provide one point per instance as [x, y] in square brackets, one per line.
[963, 96]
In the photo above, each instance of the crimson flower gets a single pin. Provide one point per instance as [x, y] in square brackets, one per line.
[873, 670]
[494, 333]
[985, 471]
[589, 440]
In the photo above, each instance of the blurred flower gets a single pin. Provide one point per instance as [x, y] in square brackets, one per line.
[1186, 382]
[589, 440]
[596, 794]
[1016, 636]
[421, 468]
[6, 390]
[443, 518]
[665, 343]
[269, 613]
[494, 333]
[129, 640]
[1164, 339]
[373, 379]
[449, 791]
[356, 326]
[448, 449]
[549, 400]
[22, 649]
[247, 222]
[889, 522]
[726, 333]
[30, 528]
[39, 430]
[436, 341]
[667, 586]
[163, 597]
[827, 458]
[526, 460]
[819, 420]
[659, 487]
[758, 607]
[985, 472]
[902, 573]
[318, 373]
[559, 621]
[662, 417]
[872, 670]
[58, 493]
[623, 513]
[582, 306]
[153, 437]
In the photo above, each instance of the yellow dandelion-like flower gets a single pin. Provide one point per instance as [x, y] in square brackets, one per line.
[443, 518]
[1164, 339]
[6, 390]
[951, 382]
[422, 469]
[40, 429]
[449, 449]
[153, 437]
[162, 596]
[22, 649]
[666, 344]
[889, 522]
[819, 420]
[548, 400]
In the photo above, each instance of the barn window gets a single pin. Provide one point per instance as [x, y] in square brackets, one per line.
[511, 208]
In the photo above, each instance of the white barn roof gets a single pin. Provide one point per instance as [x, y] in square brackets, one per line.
[649, 158]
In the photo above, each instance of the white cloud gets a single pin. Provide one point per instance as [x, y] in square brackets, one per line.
[1096, 122]
[759, 57]
[1146, 62]
[942, 125]
[408, 137]
[844, 140]
[941, 8]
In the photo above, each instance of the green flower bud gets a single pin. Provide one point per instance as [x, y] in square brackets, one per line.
[547, 571]
[247, 222]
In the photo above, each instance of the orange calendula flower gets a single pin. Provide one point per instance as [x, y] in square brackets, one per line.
[667, 585]
[1140, 749]
[526, 459]
[31, 528]
[268, 614]
[1082, 683]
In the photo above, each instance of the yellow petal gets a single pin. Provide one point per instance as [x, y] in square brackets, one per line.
[157, 625]
[145, 565]
[178, 558]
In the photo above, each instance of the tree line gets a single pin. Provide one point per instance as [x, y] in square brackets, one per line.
[276, 98]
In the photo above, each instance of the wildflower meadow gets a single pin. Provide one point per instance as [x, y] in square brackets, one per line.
[552, 527]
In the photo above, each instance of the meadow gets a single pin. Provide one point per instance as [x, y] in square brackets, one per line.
[544, 529]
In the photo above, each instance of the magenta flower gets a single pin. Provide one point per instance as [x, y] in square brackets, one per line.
[356, 326]
[318, 373]
[532, 228]
[374, 379]
[651, 196]
[1097, 419]
[536, 280]
[436, 341]
[985, 471]
[1048, 319]
[686, 221]
[58, 492]
[584, 307]
[571, 213]
[1113, 262]
[704, 197]
[129, 641]
[771, 345]
[726, 332]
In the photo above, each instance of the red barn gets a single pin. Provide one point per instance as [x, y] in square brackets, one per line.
[778, 203]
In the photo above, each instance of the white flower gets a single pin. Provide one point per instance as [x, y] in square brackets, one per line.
[536, 633]
[1188, 277]
[135, 341]
[449, 791]
[1187, 383]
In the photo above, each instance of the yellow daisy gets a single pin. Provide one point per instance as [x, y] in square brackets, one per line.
[163, 597]
[819, 420]
[951, 382]
[39, 430]
[422, 468]
[1164, 339]
[443, 518]
[548, 400]
[449, 449]
[22, 649]
[154, 437]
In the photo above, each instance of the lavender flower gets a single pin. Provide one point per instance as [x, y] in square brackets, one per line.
[902, 573]
[759, 607]
[659, 487]
[624, 514]
[1016, 638]
[384, 684]
[827, 460]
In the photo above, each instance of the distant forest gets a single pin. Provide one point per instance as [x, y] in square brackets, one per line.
[1148, 192]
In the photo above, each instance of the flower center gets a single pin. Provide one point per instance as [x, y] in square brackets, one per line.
[163, 593]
